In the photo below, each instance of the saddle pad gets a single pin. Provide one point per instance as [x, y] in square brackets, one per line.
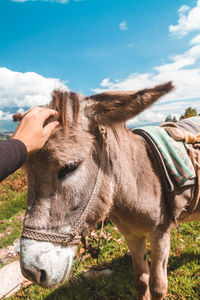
[173, 155]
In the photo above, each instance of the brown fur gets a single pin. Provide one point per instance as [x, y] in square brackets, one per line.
[110, 108]
[131, 193]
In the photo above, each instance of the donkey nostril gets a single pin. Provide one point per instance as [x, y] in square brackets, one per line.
[34, 274]
[43, 276]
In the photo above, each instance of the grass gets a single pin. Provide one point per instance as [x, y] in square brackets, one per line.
[183, 266]
[12, 207]
[183, 270]
[10, 230]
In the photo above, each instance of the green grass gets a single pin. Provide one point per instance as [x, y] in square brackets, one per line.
[11, 229]
[184, 262]
[10, 218]
[17, 203]
[12, 207]
[183, 270]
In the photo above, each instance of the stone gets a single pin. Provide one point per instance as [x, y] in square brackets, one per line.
[11, 280]
[96, 273]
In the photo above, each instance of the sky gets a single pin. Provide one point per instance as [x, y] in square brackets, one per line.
[91, 46]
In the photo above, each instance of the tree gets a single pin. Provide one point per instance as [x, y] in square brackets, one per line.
[171, 118]
[174, 120]
[189, 112]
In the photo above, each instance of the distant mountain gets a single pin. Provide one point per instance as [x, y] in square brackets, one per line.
[5, 136]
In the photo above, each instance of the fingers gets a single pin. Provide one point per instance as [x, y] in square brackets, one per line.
[49, 128]
[45, 113]
[41, 113]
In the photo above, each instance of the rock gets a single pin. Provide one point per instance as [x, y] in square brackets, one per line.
[9, 253]
[6, 255]
[96, 273]
[16, 246]
[106, 272]
[11, 280]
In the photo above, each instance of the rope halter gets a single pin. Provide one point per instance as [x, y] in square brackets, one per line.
[74, 236]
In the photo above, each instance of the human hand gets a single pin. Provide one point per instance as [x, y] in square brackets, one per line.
[31, 130]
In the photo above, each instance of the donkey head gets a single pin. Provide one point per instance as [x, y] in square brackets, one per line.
[63, 175]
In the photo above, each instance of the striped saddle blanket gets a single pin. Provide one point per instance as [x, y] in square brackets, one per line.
[170, 143]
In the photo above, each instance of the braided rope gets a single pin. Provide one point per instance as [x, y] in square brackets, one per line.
[50, 237]
[73, 237]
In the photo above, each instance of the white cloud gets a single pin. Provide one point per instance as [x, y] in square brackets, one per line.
[105, 82]
[186, 80]
[182, 70]
[20, 110]
[189, 20]
[183, 9]
[147, 117]
[5, 115]
[195, 40]
[58, 1]
[123, 26]
[26, 89]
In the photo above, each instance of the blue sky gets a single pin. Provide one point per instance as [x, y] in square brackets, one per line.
[92, 45]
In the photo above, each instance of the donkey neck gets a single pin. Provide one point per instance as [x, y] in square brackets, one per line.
[127, 154]
[137, 186]
[132, 167]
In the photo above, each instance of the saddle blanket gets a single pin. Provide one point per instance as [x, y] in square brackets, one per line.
[172, 155]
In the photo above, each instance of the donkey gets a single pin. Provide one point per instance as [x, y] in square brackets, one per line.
[93, 167]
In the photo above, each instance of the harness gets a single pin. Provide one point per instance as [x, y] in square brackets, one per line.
[74, 236]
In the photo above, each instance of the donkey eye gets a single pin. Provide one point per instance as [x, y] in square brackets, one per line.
[67, 169]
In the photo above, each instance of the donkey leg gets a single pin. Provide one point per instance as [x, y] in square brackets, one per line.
[137, 247]
[160, 246]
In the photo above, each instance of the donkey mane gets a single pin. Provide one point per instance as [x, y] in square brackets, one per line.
[60, 100]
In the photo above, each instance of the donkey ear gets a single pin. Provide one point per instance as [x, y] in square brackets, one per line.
[17, 117]
[113, 107]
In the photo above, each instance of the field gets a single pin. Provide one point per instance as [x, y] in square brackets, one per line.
[183, 267]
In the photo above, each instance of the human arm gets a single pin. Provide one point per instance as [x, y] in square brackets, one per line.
[12, 156]
[30, 136]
